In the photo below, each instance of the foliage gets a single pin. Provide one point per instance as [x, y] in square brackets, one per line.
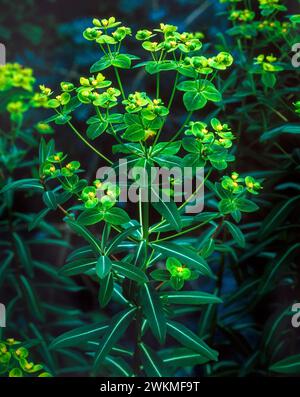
[143, 279]
[179, 293]
[14, 361]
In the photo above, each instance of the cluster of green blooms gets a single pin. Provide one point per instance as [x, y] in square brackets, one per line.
[87, 93]
[172, 39]
[140, 102]
[273, 26]
[270, 6]
[53, 166]
[210, 144]
[204, 65]
[103, 193]
[297, 107]
[100, 31]
[242, 15]
[14, 75]
[267, 63]
[236, 184]
[179, 273]
[14, 361]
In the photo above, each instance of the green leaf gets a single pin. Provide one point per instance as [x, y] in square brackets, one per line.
[182, 357]
[78, 266]
[276, 217]
[106, 290]
[118, 366]
[288, 128]
[23, 254]
[38, 218]
[190, 297]
[49, 199]
[121, 61]
[289, 365]
[116, 330]
[185, 255]
[153, 310]
[102, 64]
[268, 79]
[187, 338]
[23, 184]
[187, 85]
[96, 129]
[246, 205]
[103, 266]
[116, 216]
[274, 267]
[134, 133]
[194, 100]
[78, 335]
[130, 271]
[226, 206]
[167, 210]
[86, 234]
[236, 233]
[153, 365]
[90, 217]
[32, 298]
[119, 238]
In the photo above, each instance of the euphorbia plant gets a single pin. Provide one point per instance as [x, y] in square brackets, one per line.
[146, 266]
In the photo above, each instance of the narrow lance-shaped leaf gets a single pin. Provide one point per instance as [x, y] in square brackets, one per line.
[86, 234]
[153, 365]
[130, 271]
[103, 266]
[235, 233]
[23, 254]
[115, 331]
[190, 297]
[78, 335]
[187, 338]
[185, 255]
[182, 357]
[153, 310]
[106, 289]
[168, 210]
[289, 365]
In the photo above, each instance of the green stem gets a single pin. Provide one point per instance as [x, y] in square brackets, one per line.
[88, 144]
[177, 133]
[119, 82]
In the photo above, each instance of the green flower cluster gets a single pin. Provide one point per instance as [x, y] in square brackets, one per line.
[171, 39]
[268, 7]
[210, 144]
[203, 65]
[100, 31]
[236, 184]
[140, 102]
[107, 191]
[297, 107]
[179, 273]
[242, 15]
[53, 166]
[273, 26]
[267, 63]
[14, 75]
[14, 361]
